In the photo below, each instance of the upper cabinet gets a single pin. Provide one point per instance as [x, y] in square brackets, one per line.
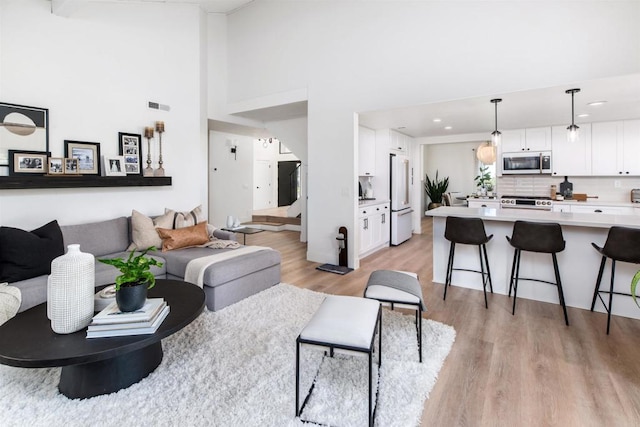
[396, 142]
[571, 158]
[530, 139]
[366, 151]
[616, 148]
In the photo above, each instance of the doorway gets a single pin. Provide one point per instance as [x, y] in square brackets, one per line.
[288, 182]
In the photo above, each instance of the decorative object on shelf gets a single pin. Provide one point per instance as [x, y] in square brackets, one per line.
[160, 130]
[435, 190]
[55, 166]
[572, 130]
[70, 291]
[486, 153]
[28, 162]
[136, 278]
[496, 135]
[87, 153]
[71, 166]
[130, 148]
[230, 221]
[114, 166]
[148, 133]
[484, 181]
[22, 128]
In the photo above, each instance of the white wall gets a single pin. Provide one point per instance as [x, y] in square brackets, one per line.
[365, 56]
[457, 161]
[95, 70]
[230, 177]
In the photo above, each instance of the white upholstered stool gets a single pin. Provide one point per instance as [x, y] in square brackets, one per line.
[382, 287]
[344, 323]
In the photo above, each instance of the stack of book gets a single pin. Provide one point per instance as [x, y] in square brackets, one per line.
[111, 322]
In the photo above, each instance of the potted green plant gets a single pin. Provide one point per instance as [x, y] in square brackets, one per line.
[136, 278]
[435, 189]
[483, 180]
[634, 286]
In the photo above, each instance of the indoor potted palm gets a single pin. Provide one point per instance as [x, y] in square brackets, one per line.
[435, 190]
[136, 278]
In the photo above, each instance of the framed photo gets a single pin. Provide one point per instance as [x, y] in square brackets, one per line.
[130, 148]
[27, 162]
[284, 149]
[71, 166]
[55, 166]
[87, 153]
[22, 128]
[114, 166]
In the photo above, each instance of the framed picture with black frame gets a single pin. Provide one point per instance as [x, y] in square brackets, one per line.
[87, 153]
[130, 147]
[27, 162]
[22, 128]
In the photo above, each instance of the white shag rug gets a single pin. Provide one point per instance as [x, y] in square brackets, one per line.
[236, 367]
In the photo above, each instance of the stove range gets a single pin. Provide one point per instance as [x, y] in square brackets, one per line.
[526, 202]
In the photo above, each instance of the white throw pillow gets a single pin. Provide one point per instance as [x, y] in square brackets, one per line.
[186, 219]
[143, 230]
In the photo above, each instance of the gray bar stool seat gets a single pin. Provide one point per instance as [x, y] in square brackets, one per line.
[468, 231]
[536, 237]
[623, 244]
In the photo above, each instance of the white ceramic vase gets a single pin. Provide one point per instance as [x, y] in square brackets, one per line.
[70, 291]
[229, 221]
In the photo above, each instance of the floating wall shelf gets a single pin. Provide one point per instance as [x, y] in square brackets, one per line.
[80, 181]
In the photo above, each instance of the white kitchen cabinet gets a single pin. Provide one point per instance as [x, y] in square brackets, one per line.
[399, 142]
[374, 228]
[366, 151]
[484, 203]
[612, 210]
[530, 139]
[616, 148]
[571, 158]
[559, 207]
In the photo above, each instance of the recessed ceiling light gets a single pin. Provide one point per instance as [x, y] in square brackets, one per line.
[448, 128]
[583, 115]
[596, 103]
[437, 120]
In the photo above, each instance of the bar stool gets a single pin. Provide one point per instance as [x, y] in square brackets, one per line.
[622, 245]
[468, 231]
[536, 237]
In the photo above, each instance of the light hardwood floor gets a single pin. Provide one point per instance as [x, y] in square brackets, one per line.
[503, 370]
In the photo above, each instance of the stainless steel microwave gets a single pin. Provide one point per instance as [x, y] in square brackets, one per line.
[527, 163]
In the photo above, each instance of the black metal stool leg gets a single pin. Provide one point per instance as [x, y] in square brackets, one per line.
[610, 308]
[597, 289]
[486, 260]
[447, 282]
[560, 291]
[513, 270]
[515, 280]
[484, 282]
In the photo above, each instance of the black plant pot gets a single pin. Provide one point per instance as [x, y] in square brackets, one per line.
[131, 297]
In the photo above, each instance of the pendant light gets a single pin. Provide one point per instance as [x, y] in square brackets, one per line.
[486, 153]
[496, 135]
[572, 131]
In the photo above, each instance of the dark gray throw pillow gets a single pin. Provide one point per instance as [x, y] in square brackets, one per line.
[27, 254]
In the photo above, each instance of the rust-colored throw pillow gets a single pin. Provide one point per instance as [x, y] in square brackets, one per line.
[183, 237]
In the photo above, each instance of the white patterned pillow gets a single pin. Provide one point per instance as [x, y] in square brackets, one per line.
[186, 219]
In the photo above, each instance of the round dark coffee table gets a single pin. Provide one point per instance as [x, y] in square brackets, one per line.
[91, 367]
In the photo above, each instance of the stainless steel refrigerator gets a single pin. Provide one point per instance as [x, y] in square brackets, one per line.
[399, 173]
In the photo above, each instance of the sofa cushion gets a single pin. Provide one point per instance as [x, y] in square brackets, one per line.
[143, 229]
[99, 238]
[28, 254]
[223, 271]
[183, 237]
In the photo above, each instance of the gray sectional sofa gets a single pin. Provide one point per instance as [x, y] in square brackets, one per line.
[225, 282]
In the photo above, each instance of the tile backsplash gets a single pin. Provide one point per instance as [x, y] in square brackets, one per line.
[607, 189]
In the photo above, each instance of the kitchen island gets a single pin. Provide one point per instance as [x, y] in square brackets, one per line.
[578, 263]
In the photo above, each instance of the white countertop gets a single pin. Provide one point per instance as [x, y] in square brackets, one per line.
[596, 220]
[365, 203]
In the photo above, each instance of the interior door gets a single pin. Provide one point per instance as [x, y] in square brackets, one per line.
[262, 185]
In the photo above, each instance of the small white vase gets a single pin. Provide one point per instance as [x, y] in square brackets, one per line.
[229, 221]
[70, 291]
